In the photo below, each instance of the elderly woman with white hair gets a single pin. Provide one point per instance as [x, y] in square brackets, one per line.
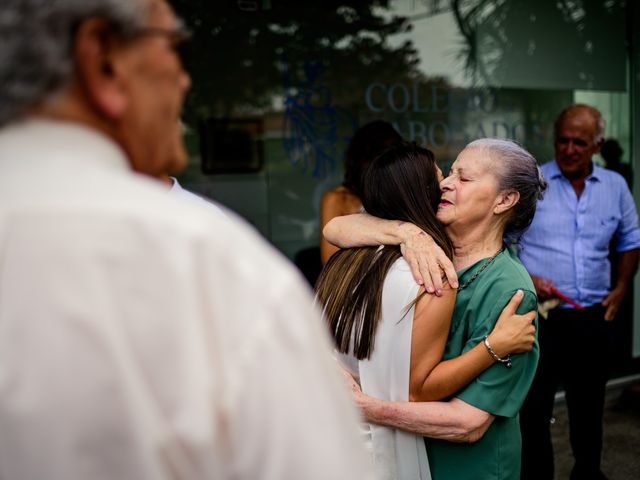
[488, 199]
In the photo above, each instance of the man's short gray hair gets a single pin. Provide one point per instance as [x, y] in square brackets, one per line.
[571, 110]
[517, 170]
[36, 45]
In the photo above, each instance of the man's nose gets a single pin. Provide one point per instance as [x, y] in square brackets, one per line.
[570, 148]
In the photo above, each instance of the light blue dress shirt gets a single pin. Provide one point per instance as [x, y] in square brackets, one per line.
[568, 241]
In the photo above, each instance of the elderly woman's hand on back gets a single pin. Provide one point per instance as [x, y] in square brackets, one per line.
[427, 261]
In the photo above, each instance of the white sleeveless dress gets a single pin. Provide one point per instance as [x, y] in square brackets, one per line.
[396, 455]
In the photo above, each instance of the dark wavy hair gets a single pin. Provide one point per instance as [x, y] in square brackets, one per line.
[368, 142]
[401, 184]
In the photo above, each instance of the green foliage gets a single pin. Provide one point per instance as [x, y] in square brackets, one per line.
[241, 49]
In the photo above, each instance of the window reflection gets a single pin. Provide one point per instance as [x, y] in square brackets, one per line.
[443, 72]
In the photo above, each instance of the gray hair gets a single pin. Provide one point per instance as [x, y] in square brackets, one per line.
[36, 45]
[517, 171]
[571, 110]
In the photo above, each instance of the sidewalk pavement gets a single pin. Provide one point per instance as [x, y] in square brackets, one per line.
[621, 451]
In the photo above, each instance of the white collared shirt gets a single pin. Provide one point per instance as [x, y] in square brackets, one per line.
[137, 342]
[176, 189]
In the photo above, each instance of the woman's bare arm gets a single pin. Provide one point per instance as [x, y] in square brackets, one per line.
[431, 323]
[426, 259]
[512, 334]
[362, 229]
[454, 421]
[330, 207]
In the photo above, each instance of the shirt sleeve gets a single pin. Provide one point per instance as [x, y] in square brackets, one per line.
[500, 390]
[627, 234]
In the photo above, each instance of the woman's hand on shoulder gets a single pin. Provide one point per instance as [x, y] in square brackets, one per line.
[427, 260]
[513, 333]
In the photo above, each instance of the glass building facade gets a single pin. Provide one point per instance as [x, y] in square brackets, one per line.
[280, 86]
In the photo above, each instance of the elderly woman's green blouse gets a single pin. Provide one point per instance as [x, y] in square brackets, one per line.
[498, 390]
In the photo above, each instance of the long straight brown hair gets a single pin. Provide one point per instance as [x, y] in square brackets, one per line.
[401, 184]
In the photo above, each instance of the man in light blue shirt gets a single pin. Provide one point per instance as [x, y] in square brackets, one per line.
[566, 252]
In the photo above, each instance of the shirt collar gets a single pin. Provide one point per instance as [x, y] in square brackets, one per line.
[594, 176]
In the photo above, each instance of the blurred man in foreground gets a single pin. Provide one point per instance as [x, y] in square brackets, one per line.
[141, 337]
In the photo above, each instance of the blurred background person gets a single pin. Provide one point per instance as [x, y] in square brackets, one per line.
[612, 153]
[367, 143]
[128, 348]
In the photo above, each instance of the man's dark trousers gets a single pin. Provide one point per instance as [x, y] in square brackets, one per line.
[574, 353]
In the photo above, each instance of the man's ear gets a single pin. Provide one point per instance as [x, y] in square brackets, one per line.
[598, 146]
[506, 201]
[95, 50]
